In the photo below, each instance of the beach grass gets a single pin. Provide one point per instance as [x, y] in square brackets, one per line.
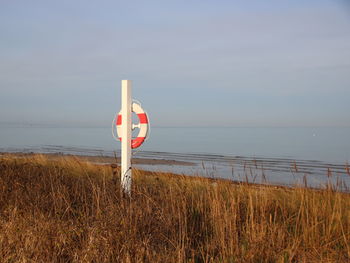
[70, 210]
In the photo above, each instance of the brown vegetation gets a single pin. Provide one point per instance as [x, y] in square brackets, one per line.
[72, 211]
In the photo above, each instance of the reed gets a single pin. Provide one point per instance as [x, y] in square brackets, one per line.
[69, 210]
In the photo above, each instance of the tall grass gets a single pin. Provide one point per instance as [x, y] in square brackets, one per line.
[72, 211]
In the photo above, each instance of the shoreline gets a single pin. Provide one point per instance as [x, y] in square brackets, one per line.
[103, 159]
[107, 161]
[114, 162]
[272, 171]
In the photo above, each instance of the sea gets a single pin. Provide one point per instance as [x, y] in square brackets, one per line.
[308, 156]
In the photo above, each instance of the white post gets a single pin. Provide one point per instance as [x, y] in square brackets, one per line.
[126, 137]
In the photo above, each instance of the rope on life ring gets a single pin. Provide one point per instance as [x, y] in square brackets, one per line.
[143, 125]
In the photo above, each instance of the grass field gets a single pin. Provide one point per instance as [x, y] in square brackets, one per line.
[69, 210]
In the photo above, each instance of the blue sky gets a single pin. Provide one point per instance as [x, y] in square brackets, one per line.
[193, 63]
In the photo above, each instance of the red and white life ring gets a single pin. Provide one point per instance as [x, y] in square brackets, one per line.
[143, 125]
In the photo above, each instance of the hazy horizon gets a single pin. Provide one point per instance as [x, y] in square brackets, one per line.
[89, 125]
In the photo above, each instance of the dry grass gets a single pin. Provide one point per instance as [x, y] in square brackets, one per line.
[72, 211]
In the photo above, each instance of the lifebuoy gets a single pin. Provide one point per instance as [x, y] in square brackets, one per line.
[143, 125]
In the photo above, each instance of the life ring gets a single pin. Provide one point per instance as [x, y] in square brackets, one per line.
[143, 125]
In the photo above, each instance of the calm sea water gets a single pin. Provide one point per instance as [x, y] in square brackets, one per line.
[287, 156]
[324, 144]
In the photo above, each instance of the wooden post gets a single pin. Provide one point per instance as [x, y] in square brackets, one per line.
[126, 137]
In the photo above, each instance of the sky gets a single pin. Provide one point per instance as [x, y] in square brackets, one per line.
[272, 63]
